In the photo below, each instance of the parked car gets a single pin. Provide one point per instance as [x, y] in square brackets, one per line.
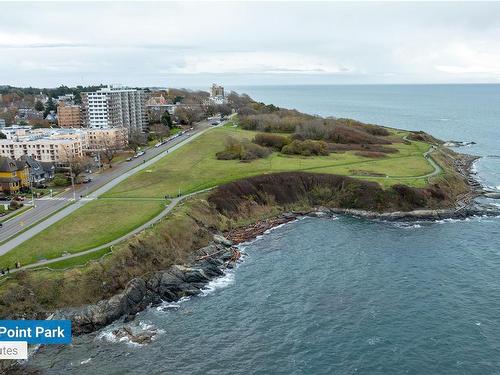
[128, 159]
[86, 180]
[158, 144]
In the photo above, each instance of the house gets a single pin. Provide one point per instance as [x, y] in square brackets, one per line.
[49, 169]
[37, 174]
[14, 175]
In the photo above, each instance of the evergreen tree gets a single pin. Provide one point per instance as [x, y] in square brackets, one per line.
[50, 106]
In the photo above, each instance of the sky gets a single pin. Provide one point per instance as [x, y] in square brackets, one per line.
[192, 44]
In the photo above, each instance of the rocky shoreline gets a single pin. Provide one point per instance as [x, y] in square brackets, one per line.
[168, 285]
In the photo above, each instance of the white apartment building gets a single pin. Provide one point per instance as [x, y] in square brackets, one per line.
[59, 145]
[114, 107]
[42, 149]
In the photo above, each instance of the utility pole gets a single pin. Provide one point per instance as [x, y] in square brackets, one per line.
[72, 180]
[32, 193]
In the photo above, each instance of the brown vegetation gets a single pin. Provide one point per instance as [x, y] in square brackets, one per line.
[311, 189]
[275, 141]
[306, 148]
[424, 137]
[242, 150]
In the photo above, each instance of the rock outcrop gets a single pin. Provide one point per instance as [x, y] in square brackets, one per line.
[168, 285]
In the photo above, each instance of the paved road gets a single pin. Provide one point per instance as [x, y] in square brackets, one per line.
[102, 184]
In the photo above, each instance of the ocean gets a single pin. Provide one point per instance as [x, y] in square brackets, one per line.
[340, 295]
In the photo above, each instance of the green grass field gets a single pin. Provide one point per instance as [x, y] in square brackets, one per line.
[94, 224]
[192, 168]
[195, 167]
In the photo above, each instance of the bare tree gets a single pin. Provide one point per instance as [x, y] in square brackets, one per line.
[188, 115]
[159, 130]
[109, 148]
[136, 140]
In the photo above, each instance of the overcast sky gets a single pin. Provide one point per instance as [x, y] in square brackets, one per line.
[194, 44]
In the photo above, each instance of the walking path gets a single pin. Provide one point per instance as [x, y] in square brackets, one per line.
[144, 226]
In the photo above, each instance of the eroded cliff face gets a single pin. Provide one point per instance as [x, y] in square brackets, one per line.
[239, 198]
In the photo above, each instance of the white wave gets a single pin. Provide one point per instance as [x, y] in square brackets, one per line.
[274, 228]
[85, 361]
[407, 225]
[218, 283]
[444, 119]
[374, 340]
[109, 336]
[172, 305]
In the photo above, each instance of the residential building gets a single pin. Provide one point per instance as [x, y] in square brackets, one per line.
[101, 139]
[54, 145]
[67, 99]
[14, 175]
[37, 173]
[217, 90]
[69, 115]
[115, 107]
[156, 106]
[28, 113]
[217, 94]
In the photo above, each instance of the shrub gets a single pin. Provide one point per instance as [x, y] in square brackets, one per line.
[61, 180]
[15, 204]
[275, 141]
[306, 148]
[242, 150]
[251, 151]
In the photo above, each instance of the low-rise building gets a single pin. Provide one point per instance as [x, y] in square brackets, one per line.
[37, 173]
[54, 145]
[100, 139]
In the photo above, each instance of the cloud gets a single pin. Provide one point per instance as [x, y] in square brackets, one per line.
[23, 40]
[257, 62]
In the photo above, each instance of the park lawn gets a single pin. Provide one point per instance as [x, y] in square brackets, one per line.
[94, 224]
[194, 166]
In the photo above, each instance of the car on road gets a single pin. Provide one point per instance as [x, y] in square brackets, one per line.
[86, 180]
[158, 144]
[140, 153]
[128, 159]
[213, 123]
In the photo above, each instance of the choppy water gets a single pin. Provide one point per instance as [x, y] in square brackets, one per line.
[344, 295]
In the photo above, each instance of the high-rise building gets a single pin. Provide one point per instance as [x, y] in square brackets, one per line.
[217, 94]
[69, 116]
[217, 90]
[113, 107]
